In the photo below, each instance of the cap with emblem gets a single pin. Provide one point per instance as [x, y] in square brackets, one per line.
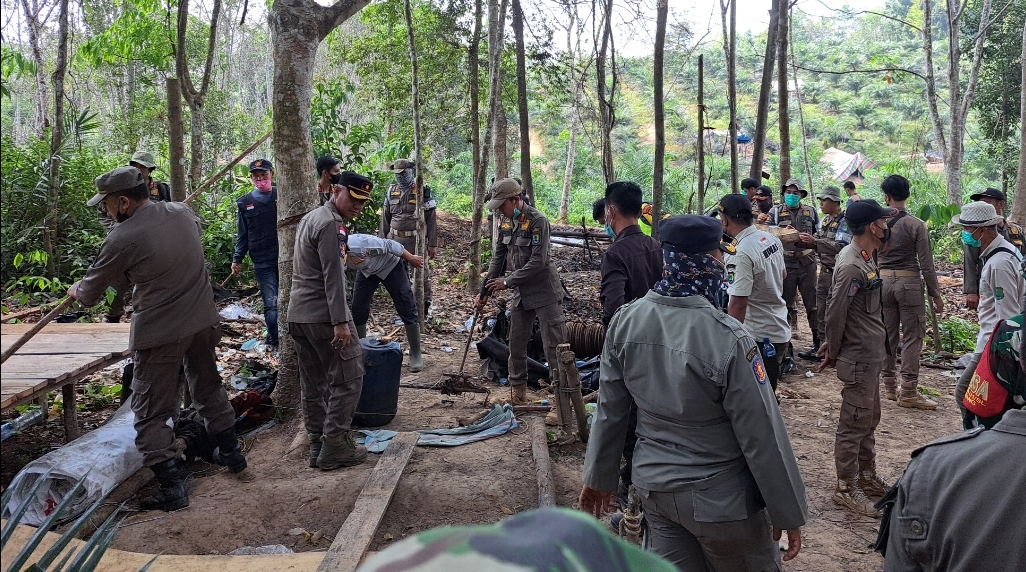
[120, 179]
[501, 190]
[830, 192]
[693, 234]
[145, 159]
[867, 211]
[261, 165]
[793, 182]
[359, 187]
[988, 193]
[401, 165]
[764, 191]
[734, 206]
[977, 213]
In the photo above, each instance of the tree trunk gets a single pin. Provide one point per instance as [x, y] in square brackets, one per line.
[195, 98]
[473, 55]
[571, 150]
[35, 31]
[931, 82]
[56, 139]
[765, 94]
[801, 121]
[297, 27]
[701, 134]
[729, 51]
[782, 93]
[176, 135]
[418, 274]
[1019, 199]
[660, 117]
[195, 145]
[607, 112]
[525, 126]
[501, 137]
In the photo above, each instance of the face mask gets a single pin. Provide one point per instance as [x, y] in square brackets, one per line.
[263, 185]
[792, 200]
[336, 179]
[967, 237]
[886, 236]
[404, 178]
[609, 231]
[764, 206]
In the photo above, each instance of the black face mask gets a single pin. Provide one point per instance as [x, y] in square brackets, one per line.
[336, 179]
[765, 206]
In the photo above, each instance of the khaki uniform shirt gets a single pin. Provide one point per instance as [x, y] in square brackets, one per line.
[399, 214]
[757, 271]
[909, 249]
[707, 418]
[171, 295]
[971, 263]
[854, 318]
[804, 219]
[318, 292]
[534, 274]
[832, 236]
[1001, 288]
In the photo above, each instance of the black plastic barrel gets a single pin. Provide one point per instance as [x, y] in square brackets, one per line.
[379, 400]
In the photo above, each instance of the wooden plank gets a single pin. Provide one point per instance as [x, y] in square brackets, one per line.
[74, 328]
[10, 401]
[51, 365]
[357, 531]
[64, 348]
[542, 463]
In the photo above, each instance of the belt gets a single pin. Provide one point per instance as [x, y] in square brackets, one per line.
[799, 253]
[899, 273]
[403, 233]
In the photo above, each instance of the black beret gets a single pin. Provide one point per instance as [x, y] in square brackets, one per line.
[692, 234]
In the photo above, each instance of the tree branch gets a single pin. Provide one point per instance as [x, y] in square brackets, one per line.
[983, 28]
[181, 62]
[337, 13]
[211, 44]
[834, 72]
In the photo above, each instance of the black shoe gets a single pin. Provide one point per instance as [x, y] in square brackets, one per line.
[171, 476]
[228, 451]
[810, 354]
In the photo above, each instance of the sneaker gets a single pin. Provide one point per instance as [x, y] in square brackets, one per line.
[915, 400]
[848, 494]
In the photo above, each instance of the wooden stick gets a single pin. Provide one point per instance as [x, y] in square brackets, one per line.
[357, 531]
[542, 463]
[568, 371]
[70, 413]
[22, 313]
[209, 182]
[35, 329]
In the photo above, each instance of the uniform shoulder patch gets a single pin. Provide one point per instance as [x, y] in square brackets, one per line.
[536, 237]
[758, 369]
[751, 353]
[854, 287]
[999, 292]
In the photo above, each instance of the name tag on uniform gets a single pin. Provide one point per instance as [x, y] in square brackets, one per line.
[770, 251]
[250, 206]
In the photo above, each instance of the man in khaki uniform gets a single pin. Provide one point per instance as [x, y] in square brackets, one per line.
[175, 319]
[832, 236]
[906, 261]
[799, 256]
[524, 232]
[399, 218]
[854, 327]
[327, 344]
[972, 263]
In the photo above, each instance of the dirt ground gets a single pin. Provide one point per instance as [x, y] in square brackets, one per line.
[484, 482]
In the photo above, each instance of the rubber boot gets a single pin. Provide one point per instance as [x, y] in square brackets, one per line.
[890, 388]
[228, 452]
[413, 338]
[315, 448]
[849, 494]
[171, 475]
[871, 483]
[340, 451]
[361, 330]
[913, 399]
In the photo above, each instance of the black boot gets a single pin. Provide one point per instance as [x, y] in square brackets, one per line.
[810, 354]
[171, 475]
[228, 451]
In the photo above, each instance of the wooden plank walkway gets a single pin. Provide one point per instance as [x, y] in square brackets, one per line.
[57, 356]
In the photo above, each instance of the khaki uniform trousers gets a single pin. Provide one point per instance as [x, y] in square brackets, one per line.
[410, 243]
[801, 279]
[551, 322]
[855, 439]
[330, 380]
[903, 309]
[824, 282]
[157, 396]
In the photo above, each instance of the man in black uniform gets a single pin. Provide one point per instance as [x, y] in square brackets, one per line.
[800, 256]
[258, 237]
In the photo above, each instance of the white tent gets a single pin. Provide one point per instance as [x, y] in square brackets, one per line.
[845, 165]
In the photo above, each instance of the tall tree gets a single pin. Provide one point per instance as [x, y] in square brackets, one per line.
[783, 117]
[56, 137]
[728, 13]
[496, 43]
[662, 10]
[418, 274]
[34, 20]
[297, 28]
[576, 82]
[194, 97]
[1019, 200]
[607, 110]
[765, 94]
[522, 111]
[480, 164]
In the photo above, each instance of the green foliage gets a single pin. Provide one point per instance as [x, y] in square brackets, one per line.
[958, 336]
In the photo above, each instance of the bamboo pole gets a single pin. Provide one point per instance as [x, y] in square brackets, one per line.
[209, 182]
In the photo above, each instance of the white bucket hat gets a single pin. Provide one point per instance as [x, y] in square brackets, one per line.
[977, 213]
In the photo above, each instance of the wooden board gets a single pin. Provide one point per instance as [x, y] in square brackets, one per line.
[73, 328]
[357, 531]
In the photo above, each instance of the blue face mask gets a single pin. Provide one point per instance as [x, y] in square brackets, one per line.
[792, 200]
[609, 231]
[967, 237]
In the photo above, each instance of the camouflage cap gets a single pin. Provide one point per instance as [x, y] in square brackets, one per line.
[120, 179]
[501, 190]
[401, 165]
[830, 192]
[793, 182]
[144, 158]
[359, 187]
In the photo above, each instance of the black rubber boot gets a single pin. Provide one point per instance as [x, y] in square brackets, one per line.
[228, 452]
[171, 475]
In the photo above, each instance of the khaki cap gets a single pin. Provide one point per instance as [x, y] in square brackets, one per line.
[501, 190]
[145, 159]
[120, 179]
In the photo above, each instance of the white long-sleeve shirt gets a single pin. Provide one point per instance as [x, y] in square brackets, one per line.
[372, 255]
[1002, 288]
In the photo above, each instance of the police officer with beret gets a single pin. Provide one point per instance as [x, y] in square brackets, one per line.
[258, 237]
[972, 263]
[524, 232]
[855, 328]
[713, 464]
[399, 218]
[330, 358]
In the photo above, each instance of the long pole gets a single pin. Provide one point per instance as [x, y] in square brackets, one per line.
[207, 184]
[701, 133]
[35, 329]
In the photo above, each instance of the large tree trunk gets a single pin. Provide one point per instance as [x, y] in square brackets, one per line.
[931, 82]
[660, 117]
[607, 111]
[765, 94]
[34, 23]
[1019, 199]
[297, 27]
[501, 137]
[479, 168]
[176, 136]
[782, 94]
[525, 126]
[194, 97]
[421, 243]
[729, 51]
[56, 139]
